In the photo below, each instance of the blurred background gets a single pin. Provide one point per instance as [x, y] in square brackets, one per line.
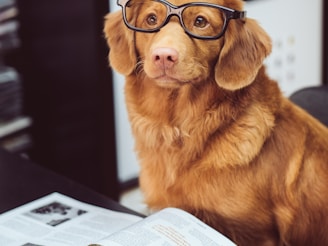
[63, 107]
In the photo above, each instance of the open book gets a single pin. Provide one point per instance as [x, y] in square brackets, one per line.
[58, 220]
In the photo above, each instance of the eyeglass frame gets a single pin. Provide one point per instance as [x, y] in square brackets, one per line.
[173, 10]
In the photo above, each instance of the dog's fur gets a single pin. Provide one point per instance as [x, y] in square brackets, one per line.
[217, 138]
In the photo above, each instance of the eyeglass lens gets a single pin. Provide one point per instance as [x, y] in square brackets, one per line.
[199, 20]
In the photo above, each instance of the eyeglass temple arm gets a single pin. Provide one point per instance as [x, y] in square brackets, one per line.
[239, 15]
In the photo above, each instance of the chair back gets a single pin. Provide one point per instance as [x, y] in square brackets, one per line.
[314, 100]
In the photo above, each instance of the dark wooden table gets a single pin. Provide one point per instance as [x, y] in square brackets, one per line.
[22, 181]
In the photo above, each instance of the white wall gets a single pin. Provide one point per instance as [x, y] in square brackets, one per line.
[295, 27]
[127, 162]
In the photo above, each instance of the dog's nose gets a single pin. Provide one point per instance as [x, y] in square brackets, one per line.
[165, 57]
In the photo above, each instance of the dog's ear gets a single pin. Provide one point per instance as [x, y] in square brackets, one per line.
[122, 55]
[245, 46]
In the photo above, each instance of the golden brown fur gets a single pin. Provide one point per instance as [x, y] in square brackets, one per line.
[219, 140]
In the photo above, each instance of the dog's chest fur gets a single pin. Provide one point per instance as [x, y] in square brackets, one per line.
[200, 133]
[179, 132]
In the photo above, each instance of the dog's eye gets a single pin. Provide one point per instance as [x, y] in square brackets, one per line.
[151, 20]
[200, 22]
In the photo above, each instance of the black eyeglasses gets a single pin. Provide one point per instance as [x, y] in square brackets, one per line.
[198, 19]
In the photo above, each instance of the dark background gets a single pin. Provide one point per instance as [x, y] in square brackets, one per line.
[325, 43]
[63, 63]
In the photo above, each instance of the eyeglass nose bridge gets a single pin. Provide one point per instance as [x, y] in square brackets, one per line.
[174, 11]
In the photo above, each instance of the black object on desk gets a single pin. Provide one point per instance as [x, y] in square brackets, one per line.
[22, 181]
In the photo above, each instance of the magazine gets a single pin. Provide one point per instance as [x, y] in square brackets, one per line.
[58, 220]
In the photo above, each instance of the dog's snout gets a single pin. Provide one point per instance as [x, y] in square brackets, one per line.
[165, 57]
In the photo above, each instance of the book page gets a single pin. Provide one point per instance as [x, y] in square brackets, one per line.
[58, 220]
[167, 227]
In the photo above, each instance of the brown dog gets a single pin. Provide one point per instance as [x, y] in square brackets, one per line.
[213, 133]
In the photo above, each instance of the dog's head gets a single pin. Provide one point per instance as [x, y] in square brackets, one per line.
[172, 57]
